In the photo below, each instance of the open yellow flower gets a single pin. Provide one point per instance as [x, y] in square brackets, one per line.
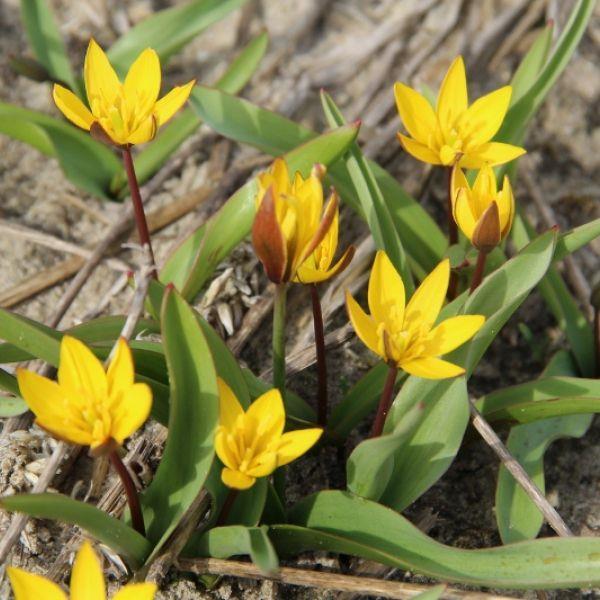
[317, 267]
[129, 112]
[406, 336]
[87, 405]
[87, 582]
[252, 444]
[483, 213]
[290, 222]
[454, 130]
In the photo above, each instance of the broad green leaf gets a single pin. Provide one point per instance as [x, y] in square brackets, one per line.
[371, 464]
[274, 134]
[248, 506]
[168, 30]
[371, 199]
[517, 516]
[578, 237]
[224, 542]
[173, 134]
[193, 417]
[360, 400]
[190, 266]
[46, 42]
[564, 308]
[339, 522]
[110, 531]
[521, 113]
[85, 162]
[532, 63]
[425, 454]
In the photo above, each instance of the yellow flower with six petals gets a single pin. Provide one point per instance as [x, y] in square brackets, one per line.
[87, 582]
[290, 222]
[455, 131]
[87, 405]
[128, 112]
[406, 336]
[252, 444]
[483, 213]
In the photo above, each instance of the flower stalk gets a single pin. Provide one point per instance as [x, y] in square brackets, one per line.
[321, 359]
[138, 205]
[479, 271]
[133, 499]
[385, 402]
[230, 499]
[279, 306]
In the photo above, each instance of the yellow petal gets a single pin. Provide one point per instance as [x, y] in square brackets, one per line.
[142, 83]
[295, 443]
[136, 591]
[236, 480]
[145, 132]
[308, 274]
[506, 207]
[226, 453]
[101, 81]
[364, 325]
[386, 291]
[481, 122]
[419, 151]
[72, 107]
[268, 411]
[263, 465]
[29, 586]
[432, 368]
[229, 407]
[131, 412]
[280, 174]
[416, 113]
[458, 181]
[452, 100]
[426, 303]
[485, 185]
[120, 373]
[463, 215]
[80, 371]
[87, 581]
[168, 105]
[451, 333]
[492, 153]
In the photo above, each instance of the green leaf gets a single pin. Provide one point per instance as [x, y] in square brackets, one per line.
[193, 417]
[274, 134]
[517, 516]
[85, 162]
[339, 522]
[371, 464]
[173, 134]
[532, 63]
[224, 542]
[521, 113]
[108, 530]
[371, 200]
[431, 594]
[168, 30]
[46, 42]
[10, 406]
[190, 266]
[424, 455]
[576, 238]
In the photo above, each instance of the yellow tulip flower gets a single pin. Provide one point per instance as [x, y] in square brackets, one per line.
[290, 222]
[406, 336]
[252, 444]
[484, 213]
[317, 267]
[87, 405]
[455, 131]
[87, 582]
[129, 112]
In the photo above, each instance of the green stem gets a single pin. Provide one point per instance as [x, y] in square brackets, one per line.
[279, 337]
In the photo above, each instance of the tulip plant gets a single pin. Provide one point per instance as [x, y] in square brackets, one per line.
[436, 301]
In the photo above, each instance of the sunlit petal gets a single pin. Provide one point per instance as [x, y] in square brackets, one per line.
[426, 303]
[463, 215]
[80, 371]
[452, 99]
[145, 132]
[432, 368]
[131, 412]
[72, 107]
[492, 153]
[269, 412]
[386, 290]
[484, 117]
[364, 325]
[120, 371]
[169, 104]
[136, 591]
[419, 151]
[87, 581]
[416, 113]
[236, 480]
[142, 83]
[29, 586]
[101, 81]
[229, 406]
[452, 333]
[295, 443]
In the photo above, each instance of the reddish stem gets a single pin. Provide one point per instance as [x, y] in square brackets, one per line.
[597, 339]
[138, 205]
[137, 519]
[232, 494]
[385, 402]
[479, 269]
[321, 360]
